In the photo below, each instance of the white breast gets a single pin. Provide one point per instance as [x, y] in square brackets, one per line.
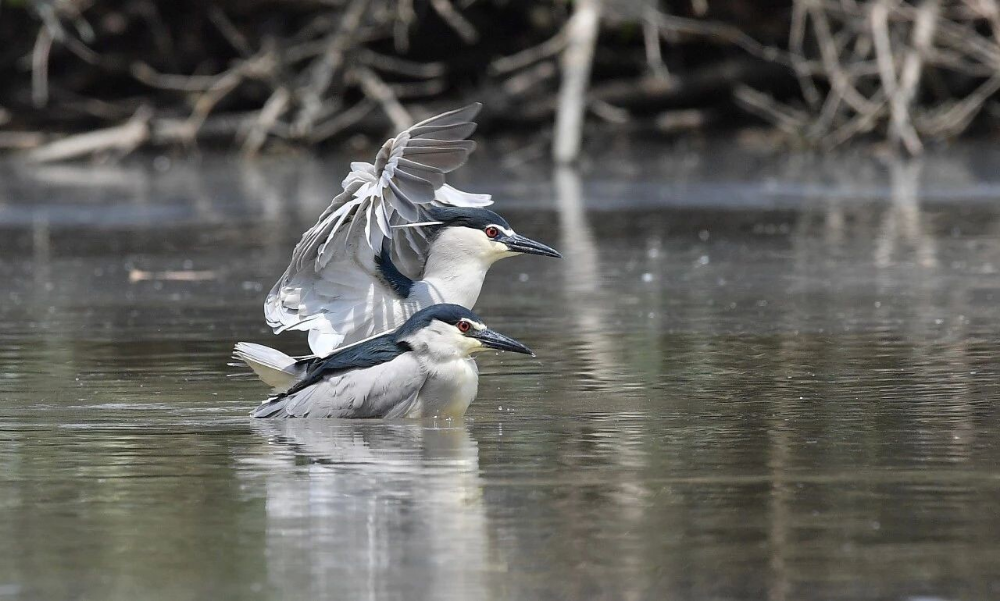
[450, 388]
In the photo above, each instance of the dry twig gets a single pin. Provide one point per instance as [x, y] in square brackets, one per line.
[40, 68]
[123, 138]
[455, 19]
[322, 71]
[377, 90]
[275, 106]
[342, 121]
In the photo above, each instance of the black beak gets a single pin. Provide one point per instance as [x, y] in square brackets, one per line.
[520, 244]
[498, 341]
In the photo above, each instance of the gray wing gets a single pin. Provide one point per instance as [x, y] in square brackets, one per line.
[332, 285]
[386, 390]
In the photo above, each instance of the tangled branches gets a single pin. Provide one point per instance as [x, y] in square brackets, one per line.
[252, 72]
[86, 78]
[911, 71]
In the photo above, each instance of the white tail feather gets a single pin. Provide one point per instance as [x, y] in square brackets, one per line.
[273, 367]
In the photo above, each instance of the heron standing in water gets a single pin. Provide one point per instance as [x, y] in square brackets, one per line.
[423, 369]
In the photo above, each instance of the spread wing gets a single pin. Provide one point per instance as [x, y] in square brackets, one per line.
[388, 389]
[333, 287]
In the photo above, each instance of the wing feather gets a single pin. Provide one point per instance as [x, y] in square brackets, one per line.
[418, 145]
[408, 251]
[385, 390]
[332, 287]
[432, 175]
[449, 195]
[459, 131]
[460, 115]
[413, 187]
[406, 209]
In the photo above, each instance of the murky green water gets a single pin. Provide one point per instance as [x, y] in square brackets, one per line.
[757, 378]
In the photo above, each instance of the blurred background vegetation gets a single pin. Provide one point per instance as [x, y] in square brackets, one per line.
[86, 78]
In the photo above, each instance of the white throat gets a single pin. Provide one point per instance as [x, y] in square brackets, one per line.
[452, 375]
[456, 266]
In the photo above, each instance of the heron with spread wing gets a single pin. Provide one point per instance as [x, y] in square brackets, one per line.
[396, 240]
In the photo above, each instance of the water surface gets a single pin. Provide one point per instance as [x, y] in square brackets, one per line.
[758, 377]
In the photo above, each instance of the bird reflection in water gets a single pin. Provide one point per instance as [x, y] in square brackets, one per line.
[375, 507]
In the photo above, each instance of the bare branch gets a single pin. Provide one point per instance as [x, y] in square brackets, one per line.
[955, 117]
[909, 79]
[524, 58]
[581, 32]
[723, 32]
[419, 89]
[322, 71]
[255, 67]
[40, 68]
[530, 78]
[392, 64]
[342, 121]
[377, 90]
[405, 18]
[796, 39]
[782, 116]
[651, 40]
[123, 138]
[457, 22]
[166, 81]
[831, 60]
[275, 106]
[229, 31]
[608, 112]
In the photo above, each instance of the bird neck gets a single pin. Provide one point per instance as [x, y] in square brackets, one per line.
[456, 267]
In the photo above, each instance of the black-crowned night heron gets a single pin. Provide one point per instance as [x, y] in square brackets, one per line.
[396, 240]
[423, 369]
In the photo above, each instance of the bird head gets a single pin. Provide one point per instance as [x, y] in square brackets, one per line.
[449, 330]
[482, 232]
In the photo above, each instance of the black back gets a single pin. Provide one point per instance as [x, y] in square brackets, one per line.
[378, 350]
[474, 217]
[369, 353]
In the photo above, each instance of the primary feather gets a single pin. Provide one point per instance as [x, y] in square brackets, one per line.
[332, 287]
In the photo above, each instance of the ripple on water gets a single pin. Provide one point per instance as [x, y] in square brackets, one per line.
[778, 397]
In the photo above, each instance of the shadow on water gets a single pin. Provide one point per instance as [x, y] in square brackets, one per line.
[757, 377]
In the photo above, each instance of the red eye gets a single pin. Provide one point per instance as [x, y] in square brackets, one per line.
[492, 232]
[464, 326]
